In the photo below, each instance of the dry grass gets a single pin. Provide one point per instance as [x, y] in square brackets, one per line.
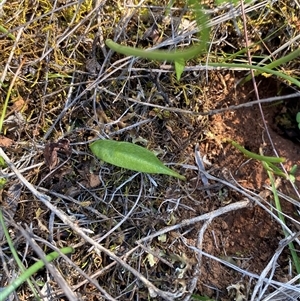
[136, 236]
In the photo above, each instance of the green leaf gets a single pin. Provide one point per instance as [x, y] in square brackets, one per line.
[292, 173]
[294, 169]
[130, 156]
[179, 67]
[2, 162]
[298, 117]
[2, 182]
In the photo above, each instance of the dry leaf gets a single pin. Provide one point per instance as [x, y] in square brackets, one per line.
[10, 203]
[5, 142]
[50, 151]
[94, 180]
[152, 33]
[50, 155]
[18, 104]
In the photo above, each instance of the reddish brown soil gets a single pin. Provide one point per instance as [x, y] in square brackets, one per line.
[250, 235]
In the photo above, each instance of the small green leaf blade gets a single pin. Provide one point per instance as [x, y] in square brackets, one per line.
[179, 68]
[130, 156]
[298, 117]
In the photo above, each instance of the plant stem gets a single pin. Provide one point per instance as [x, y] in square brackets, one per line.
[281, 217]
[176, 55]
[254, 155]
[15, 256]
[289, 57]
[4, 30]
[4, 109]
[31, 270]
[158, 55]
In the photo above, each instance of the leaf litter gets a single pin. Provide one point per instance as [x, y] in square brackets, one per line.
[128, 214]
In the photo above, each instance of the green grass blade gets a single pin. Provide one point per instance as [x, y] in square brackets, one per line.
[16, 256]
[263, 69]
[157, 55]
[4, 30]
[5, 105]
[294, 254]
[254, 155]
[193, 51]
[31, 270]
[283, 60]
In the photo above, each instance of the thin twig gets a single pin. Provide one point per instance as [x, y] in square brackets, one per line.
[218, 111]
[46, 200]
[197, 219]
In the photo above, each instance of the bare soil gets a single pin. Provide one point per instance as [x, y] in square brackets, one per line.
[249, 235]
